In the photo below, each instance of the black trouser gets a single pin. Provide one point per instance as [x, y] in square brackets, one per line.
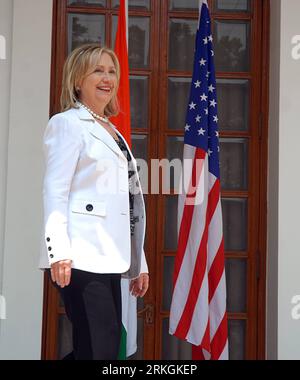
[93, 305]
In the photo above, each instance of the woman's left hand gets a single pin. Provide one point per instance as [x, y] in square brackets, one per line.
[139, 286]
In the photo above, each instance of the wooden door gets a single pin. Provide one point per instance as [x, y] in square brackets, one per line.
[161, 47]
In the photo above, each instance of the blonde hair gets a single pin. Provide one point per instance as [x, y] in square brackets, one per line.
[80, 63]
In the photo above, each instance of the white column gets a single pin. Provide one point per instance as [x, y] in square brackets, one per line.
[6, 16]
[283, 332]
[29, 110]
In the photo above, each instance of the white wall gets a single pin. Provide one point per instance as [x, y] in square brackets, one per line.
[29, 109]
[284, 116]
[6, 15]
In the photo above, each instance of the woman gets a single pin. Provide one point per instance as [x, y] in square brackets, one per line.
[93, 205]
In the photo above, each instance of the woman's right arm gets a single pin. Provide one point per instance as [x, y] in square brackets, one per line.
[62, 145]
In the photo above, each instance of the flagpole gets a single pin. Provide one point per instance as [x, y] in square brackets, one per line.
[201, 2]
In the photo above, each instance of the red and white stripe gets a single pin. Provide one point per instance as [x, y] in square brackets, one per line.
[198, 309]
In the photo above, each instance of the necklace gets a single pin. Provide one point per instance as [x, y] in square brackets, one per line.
[94, 114]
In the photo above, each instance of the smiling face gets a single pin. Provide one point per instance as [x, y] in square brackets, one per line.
[99, 86]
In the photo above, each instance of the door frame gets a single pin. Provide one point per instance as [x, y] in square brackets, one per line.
[263, 230]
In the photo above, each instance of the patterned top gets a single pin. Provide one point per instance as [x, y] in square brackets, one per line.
[124, 149]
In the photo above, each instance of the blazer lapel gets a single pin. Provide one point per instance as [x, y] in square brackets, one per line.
[100, 133]
[133, 160]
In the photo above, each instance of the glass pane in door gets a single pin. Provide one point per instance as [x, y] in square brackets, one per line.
[233, 104]
[140, 152]
[139, 42]
[65, 345]
[139, 146]
[173, 348]
[174, 155]
[178, 95]
[236, 282]
[234, 164]
[170, 225]
[184, 5]
[182, 34]
[86, 3]
[235, 224]
[133, 4]
[114, 30]
[139, 89]
[85, 28]
[168, 267]
[231, 43]
[232, 5]
[237, 339]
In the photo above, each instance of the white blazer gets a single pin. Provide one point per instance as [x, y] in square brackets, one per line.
[86, 202]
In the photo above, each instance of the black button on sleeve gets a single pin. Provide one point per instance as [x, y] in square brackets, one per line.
[89, 207]
[48, 239]
[49, 248]
[51, 256]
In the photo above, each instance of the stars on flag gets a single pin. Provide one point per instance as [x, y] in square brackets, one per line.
[213, 103]
[211, 88]
[202, 117]
[192, 106]
[203, 97]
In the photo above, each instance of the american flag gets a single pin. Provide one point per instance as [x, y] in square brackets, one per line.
[198, 308]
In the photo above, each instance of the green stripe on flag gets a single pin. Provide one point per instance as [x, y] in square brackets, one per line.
[122, 353]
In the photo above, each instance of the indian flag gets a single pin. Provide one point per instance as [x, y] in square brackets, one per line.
[122, 121]
[129, 322]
